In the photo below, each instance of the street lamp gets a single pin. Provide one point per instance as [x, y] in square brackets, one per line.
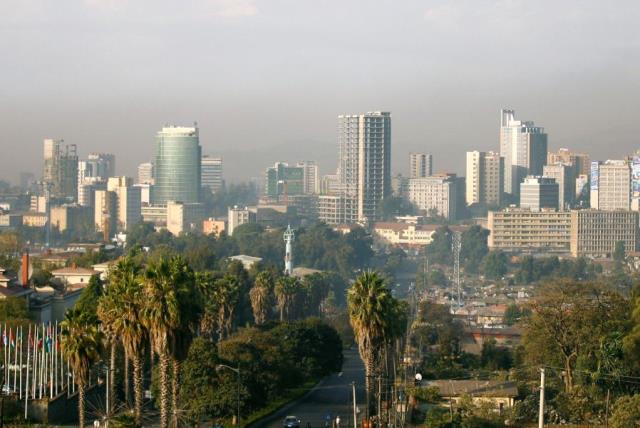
[237, 372]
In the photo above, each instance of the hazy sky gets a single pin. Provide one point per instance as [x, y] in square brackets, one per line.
[265, 79]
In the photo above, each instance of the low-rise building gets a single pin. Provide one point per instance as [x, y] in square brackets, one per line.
[501, 394]
[524, 230]
[33, 219]
[407, 235]
[595, 233]
[74, 275]
[437, 194]
[215, 227]
[184, 217]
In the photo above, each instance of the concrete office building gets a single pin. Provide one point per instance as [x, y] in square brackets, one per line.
[330, 184]
[565, 176]
[311, 178]
[579, 161]
[524, 149]
[211, 170]
[437, 194]
[485, 178]
[284, 180]
[336, 209]
[106, 213]
[177, 165]
[611, 185]
[182, 218]
[524, 230]
[129, 204]
[238, 216]
[70, 217]
[537, 193]
[365, 161]
[60, 171]
[145, 173]
[420, 165]
[594, 233]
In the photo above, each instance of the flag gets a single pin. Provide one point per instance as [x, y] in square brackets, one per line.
[4, 337]
[12, 340]
[47, 345]
[40, 343]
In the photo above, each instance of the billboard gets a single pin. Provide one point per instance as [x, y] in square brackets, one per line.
[595, 174]
[635, 176]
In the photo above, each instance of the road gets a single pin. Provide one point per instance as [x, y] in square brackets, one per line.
[333, 396]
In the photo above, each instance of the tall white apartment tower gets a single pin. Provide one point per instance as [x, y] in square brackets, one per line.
[524, 148]
[485, 178]
[365, 162]
[311, 185]
[420, 165]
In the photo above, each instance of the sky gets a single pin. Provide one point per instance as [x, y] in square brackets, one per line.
[266, 79]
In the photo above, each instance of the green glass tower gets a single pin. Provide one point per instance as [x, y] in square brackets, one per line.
[177, 166]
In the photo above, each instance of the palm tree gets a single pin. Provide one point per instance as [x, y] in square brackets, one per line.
[161, 317]
[370, 307]
[286, 290]
[226, 296]
[81, 343]
[261, 297]
[119, 309]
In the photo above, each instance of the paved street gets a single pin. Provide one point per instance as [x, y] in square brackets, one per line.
[333, 396]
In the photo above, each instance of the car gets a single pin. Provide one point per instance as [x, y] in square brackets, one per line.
[291, 422]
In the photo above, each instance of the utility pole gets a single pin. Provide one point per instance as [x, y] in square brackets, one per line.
[355, 408]
[541, 410]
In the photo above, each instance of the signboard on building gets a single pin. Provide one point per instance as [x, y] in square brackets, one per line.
[595, 174]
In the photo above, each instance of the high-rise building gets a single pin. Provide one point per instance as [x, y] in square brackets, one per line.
[211, 170]
[106, 213]
[564, 175]
[284, 180]
[311, 177]
[579, 161]
[60, 170]
[420, 165]
[145, 173]
[485, 178]
[537, 193]
[103, 164]
[435, 195]
[524, 149]
[129, 205]
[92, 173]
[177, 165]
[330, 184]
[611, 185]
[87, 189]
[365, 161]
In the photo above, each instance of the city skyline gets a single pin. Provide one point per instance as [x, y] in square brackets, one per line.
[577, 84]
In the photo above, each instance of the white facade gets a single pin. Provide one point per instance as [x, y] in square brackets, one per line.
[420, 165]
[485, 178]
[537, 193]
[211, 173]
[238, 216]
[564, 175]
[524, 149]
[183, 217]
[611, 185]
[129, 202]
[311, 177]
[145, 173]
[437, 193]
[365, 161]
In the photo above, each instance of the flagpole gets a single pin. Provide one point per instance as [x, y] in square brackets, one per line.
[15, 360]
[26, 385]
[20, 372]
[34, 369]
[41, 374]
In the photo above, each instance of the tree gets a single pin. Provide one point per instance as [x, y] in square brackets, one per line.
[371, 307]
[495, 265]
[568, 319]
[161, 317]
[88, 300]
[261, 296]
[80, 341]
[626, 412]
[473, 247]
[287, 290]
[120, 312]
[226, 294]
[439, 250]
[393, 206]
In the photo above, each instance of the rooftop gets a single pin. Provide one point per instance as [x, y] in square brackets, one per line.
[476, 388]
